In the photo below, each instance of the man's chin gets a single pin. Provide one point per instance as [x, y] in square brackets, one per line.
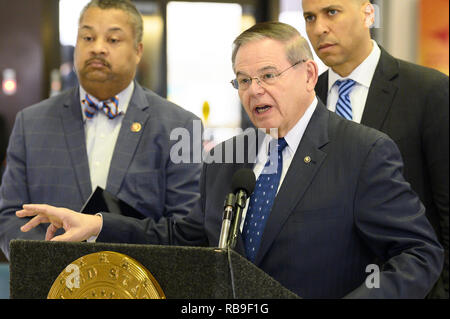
[96, 78]
[330, 60]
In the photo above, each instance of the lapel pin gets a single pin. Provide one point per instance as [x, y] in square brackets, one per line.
[136, 127]
[307, 159]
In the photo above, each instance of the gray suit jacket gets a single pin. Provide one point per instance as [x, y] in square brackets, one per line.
[47, 161]
[347, 208]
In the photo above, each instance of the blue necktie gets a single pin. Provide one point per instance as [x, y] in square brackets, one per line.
[110, 107]
[261, 202]
[343, 106]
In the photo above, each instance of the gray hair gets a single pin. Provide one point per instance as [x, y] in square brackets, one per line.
[297, 48]
[124, 5]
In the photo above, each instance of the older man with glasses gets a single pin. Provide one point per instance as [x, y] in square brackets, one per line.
[335, 206]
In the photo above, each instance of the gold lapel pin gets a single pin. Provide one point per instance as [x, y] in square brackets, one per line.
[307, 159]
[136, 127]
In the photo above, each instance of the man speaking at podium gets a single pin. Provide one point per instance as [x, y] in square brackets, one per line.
[336, 204]
[108, 132]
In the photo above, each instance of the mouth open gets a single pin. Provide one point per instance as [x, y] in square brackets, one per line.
[262, 109]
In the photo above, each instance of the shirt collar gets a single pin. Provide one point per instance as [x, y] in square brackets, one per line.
[363, 74]
[294, 136]
[124, 98]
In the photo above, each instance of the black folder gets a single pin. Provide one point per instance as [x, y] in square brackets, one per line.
[102, 201]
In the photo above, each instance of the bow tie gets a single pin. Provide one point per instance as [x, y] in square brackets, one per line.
[110, 107]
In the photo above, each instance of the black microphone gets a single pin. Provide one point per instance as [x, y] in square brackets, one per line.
[243, 184]
[228, 207]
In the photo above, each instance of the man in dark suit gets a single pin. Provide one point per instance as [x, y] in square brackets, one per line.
[408, 102]
[329, 201]
[63, 148]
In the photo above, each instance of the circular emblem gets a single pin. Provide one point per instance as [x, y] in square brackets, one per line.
[105, 275]
[307, 159]
[136, 127]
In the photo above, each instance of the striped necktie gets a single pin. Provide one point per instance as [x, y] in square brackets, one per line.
[261, 202]
[344, 106]
[110, 107]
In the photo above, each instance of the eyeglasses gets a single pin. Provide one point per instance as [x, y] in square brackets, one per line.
[243, 83]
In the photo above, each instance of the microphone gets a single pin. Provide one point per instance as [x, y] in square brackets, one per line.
[228, 207]
[243, 184]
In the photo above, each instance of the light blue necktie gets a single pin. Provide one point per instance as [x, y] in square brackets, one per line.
[261, 202]
[343, 105]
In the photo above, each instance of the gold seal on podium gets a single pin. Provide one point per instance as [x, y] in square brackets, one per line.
[105, 275]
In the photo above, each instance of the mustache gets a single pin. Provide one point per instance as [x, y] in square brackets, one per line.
[97, 59]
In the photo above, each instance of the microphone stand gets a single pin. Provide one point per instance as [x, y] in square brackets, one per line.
[226, 220]
[241, 199]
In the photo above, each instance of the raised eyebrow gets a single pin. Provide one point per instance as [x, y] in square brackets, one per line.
[239, 73]
[267, 68]
[112, 29]
[86, 27]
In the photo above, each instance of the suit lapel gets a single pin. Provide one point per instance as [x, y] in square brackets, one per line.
[298, 177]
[381, 93]
[128, 139]
[322, 87]
[73, 129]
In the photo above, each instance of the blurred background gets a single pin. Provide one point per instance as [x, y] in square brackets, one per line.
[187, 53]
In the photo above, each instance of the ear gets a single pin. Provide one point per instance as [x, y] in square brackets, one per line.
[312, 75]
[369, 15]
[139, 52]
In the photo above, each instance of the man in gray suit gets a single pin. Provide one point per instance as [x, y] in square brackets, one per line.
[108, 132]
[335, 207]
[408, 102]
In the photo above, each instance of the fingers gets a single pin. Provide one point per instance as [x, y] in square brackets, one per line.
[32, 210]
[35, 221]
[51, 230]
[77, 226]
[41, 213]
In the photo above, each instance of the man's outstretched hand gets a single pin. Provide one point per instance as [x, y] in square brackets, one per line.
[77, 226]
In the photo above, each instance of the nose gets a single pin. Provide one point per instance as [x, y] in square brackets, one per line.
[99, 47]
[321, 26]
[256, 87]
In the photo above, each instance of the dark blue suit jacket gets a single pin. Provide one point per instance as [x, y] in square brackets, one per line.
[348, 208]
[48, 163]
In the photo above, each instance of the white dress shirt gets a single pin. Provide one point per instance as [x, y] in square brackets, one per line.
[293, 138]
[362, 75]
[101, 136]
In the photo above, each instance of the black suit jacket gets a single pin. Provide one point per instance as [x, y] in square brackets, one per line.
[333, 216]
[410, 103]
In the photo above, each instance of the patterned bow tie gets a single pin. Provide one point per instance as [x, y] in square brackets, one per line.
[110, 107]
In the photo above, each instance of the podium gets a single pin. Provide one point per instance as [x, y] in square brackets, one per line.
[182, 272]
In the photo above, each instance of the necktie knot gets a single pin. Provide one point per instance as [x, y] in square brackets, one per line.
[345, 86]
[110, 107]
[281, 144]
